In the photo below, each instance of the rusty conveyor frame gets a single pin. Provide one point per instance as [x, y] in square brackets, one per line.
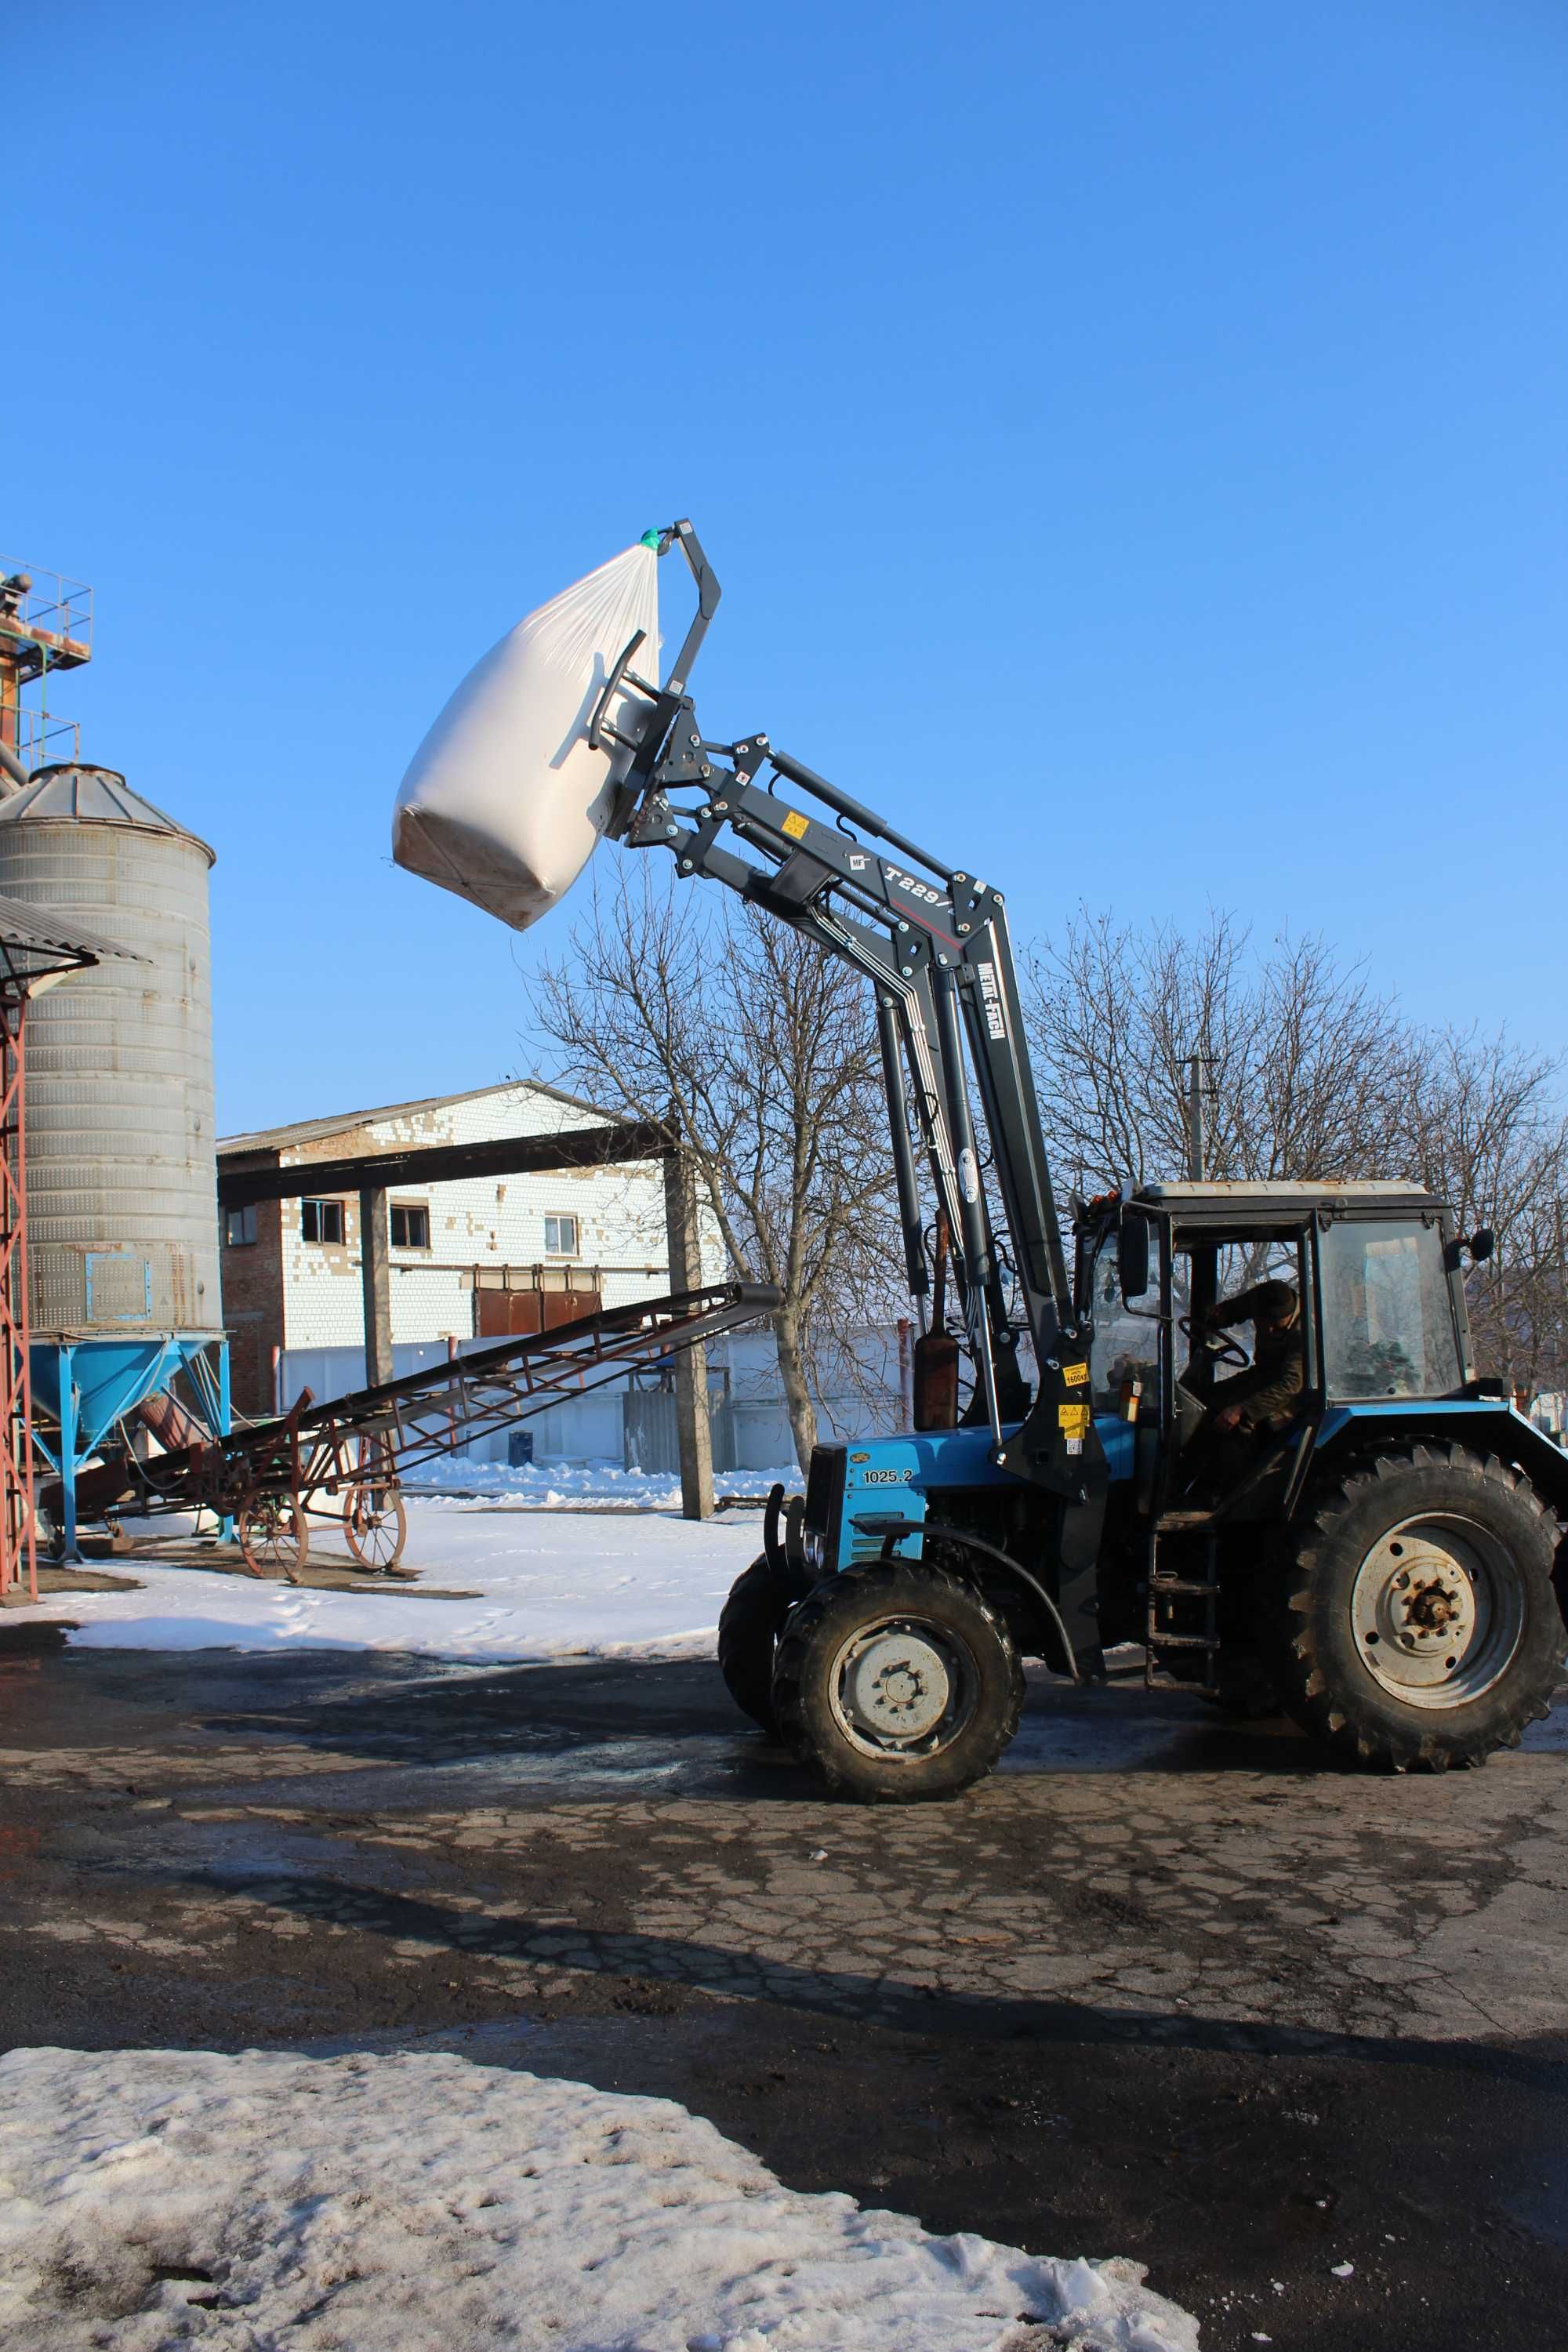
[373, 1435]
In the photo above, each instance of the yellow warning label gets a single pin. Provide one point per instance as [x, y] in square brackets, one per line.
[795, 824]
[1073, 1419]
[1075, 1375]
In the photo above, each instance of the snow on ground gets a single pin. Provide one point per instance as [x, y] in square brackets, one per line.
[390, 2203]
[593, 1486]
[549, 1585]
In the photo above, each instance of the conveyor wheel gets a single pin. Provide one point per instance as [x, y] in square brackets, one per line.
[375, 1525]
[274, 1537]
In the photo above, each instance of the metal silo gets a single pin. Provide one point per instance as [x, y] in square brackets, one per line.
[121, 1183]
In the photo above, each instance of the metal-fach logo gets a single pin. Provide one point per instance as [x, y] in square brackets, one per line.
[991, 997]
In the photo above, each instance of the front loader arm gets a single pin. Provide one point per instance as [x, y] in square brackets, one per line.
[935, 943]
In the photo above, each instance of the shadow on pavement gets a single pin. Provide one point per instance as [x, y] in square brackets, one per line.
[907, 2005]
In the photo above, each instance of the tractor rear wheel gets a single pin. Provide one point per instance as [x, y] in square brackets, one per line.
[897, 1683]
[749, 1627]
[1413, 1623]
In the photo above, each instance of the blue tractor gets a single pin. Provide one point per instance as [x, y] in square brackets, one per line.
[1380, 1559]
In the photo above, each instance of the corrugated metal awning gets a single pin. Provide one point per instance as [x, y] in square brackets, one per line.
[31, 946]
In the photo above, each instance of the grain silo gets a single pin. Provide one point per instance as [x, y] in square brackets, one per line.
[120, 1169]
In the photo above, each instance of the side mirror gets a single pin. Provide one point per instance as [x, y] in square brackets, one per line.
[1132, 1257]
[1481, 1244]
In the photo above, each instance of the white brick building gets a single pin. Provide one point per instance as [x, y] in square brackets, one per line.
[470, 1258]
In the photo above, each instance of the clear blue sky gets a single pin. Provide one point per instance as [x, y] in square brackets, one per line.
[1131, 440]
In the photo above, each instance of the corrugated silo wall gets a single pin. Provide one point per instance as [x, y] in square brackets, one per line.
[121, 1183]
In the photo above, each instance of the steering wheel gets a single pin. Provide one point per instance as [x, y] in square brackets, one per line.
[1220, 1345]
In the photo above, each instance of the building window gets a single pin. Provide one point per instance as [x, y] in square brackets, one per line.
[321, 1220]
[410, 1224]
[559, 1237]
[239, 1226]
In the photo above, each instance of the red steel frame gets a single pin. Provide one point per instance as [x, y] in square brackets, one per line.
[19, 1537]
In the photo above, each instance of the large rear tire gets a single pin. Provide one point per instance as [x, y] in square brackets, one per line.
[1414, 1624]
[897, 1683]
[749, 1627]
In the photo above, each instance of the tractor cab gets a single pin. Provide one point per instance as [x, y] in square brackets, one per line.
[1374, 1268]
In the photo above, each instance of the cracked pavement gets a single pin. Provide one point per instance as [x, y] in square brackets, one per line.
[1163, 1987]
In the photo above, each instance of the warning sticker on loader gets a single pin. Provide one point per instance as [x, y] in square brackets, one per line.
[1075, 1375]
[1072, 1419]
[795, 824]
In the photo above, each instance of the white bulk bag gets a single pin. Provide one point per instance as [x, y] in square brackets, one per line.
[504, 799]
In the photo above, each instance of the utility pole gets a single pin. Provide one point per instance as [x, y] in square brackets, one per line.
[1200, 1089]
[1560, 1366]
[693, 1429]
[375, 1281]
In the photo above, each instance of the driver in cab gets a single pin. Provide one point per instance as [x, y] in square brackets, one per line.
[1263, 1399]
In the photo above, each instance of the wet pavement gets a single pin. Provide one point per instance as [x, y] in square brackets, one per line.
[1164, 1986]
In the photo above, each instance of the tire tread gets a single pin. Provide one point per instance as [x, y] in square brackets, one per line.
[847, 1594]
[1365, 1728]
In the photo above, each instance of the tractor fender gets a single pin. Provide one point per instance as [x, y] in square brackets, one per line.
[893, 1530]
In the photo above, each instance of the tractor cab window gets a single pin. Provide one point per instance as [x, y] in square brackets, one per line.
[1125, 1338]
[1230, 1268]
[1388, 1322]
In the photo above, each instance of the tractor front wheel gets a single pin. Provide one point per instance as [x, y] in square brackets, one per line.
[1414, 1624]
[897, 1683]
[749, 1627]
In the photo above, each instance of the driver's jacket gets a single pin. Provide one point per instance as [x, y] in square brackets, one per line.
[1270, 1389]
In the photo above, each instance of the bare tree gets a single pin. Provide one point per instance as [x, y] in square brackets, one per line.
[1313, 1073]
[1306, 1063]
[1487, 1132]
[761, 1054]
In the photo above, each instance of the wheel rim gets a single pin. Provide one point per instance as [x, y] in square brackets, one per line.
[374, 1524]
[1437, 1609]
[270, 1536]
[904, 1689]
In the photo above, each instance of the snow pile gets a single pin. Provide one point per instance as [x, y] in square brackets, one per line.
[558, 1485]
[387, 2204]
[547, 1586]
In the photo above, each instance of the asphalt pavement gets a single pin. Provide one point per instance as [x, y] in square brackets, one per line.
[1164, 1986]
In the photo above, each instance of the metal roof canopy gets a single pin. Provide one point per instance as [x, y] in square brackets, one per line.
[1248, 1207]
[32, 947]
[1289, 1189]
[440, 1163]
[349, 1122]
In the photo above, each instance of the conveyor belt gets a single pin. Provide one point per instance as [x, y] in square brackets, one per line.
[379, 1432]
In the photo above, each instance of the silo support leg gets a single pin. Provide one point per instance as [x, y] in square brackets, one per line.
[68, 1437]
[224, 1418]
